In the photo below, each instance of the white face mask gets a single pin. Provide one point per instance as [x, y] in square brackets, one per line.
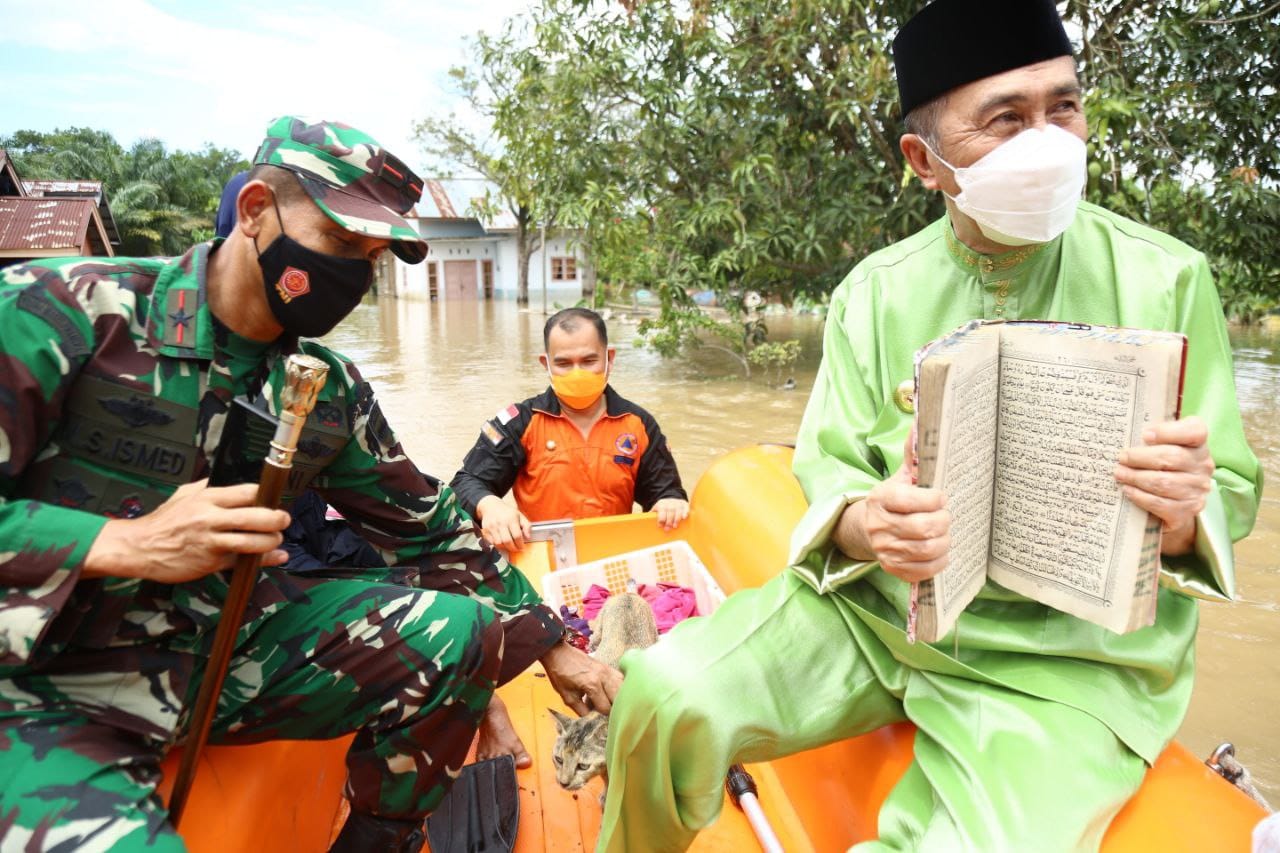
[1026, 190]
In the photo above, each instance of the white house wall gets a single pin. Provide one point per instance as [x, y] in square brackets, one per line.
[411, 280]
[565, 292]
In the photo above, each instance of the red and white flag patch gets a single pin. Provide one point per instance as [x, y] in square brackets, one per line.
[505, 416]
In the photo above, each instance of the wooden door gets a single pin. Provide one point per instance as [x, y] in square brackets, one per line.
[460, 280]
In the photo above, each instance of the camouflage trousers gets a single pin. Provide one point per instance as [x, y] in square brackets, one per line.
[409, 670]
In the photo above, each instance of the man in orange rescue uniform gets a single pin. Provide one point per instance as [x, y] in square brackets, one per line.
[577, 450]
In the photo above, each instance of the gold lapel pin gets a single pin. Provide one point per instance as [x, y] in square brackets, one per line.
[905, 396]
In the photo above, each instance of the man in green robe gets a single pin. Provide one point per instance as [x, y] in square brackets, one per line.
[1034, 726]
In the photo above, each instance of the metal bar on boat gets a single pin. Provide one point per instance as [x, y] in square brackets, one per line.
[560, 535]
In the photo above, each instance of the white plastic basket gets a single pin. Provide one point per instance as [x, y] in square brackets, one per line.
[673, 563]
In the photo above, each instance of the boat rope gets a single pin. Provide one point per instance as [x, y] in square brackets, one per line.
[1223, 761]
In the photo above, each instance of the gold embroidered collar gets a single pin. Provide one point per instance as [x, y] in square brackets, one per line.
[987, 263]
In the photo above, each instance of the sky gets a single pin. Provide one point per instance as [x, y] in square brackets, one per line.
[191, 72]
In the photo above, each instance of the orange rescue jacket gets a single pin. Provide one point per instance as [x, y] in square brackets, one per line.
[534, 449]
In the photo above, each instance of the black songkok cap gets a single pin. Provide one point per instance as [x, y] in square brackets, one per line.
[952, 42]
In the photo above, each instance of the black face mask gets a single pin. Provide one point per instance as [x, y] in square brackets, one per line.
[310, 292]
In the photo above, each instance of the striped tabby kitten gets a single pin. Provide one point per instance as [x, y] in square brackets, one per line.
[625, 622]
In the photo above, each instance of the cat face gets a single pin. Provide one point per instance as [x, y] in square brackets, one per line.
[579, 753]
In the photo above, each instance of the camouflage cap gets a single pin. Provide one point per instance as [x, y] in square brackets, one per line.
[352, 178]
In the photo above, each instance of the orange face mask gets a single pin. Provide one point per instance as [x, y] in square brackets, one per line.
[579, 389]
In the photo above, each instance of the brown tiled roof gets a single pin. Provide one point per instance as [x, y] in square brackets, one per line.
[77, 189]
[50, 226]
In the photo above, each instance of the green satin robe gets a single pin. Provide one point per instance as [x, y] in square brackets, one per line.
[1104, 270]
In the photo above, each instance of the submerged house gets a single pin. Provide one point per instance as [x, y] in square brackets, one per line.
[475, 256]
[51, 219]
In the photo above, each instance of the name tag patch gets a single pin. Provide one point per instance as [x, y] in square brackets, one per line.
[125, 451]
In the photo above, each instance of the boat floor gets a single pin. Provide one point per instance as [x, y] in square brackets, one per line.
[553, 820]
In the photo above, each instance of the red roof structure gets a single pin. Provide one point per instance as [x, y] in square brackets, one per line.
[76, 189]
[51, 228]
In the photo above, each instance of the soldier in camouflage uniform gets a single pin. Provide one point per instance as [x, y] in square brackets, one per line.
[116, 379]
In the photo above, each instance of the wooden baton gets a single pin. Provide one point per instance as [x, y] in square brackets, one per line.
[304, 377]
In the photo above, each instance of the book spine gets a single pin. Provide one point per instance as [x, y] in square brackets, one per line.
[913, 603]
[1182, 375]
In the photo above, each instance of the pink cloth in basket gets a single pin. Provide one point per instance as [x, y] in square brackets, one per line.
[670, 604]
[593, 601]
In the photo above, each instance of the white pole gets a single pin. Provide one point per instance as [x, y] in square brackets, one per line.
[742, 790]
[546, 267]
[769, 842]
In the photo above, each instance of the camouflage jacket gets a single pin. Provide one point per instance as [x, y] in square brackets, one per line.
[115, 381]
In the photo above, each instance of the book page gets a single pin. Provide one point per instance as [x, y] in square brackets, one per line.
[1070, 400]
[958, 457]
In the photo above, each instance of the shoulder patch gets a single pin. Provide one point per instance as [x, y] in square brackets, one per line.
[74, 344]
[492, 433]
[180, 315]
[505, 416]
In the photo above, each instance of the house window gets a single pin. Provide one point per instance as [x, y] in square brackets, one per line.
[486, 274]
[433, 279]
[564, 269]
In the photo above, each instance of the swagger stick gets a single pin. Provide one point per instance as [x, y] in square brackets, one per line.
[304, 377]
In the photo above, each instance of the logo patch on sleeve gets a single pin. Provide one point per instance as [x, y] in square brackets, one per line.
[492, 433]
[505, 416]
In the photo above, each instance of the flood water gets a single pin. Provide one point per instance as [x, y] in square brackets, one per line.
[441, 369]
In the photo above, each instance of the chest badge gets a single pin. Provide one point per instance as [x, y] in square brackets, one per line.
[328, 415]
[135, 412]
[627, 444]
[71, 493]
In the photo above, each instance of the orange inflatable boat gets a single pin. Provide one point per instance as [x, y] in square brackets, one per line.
[286, 795]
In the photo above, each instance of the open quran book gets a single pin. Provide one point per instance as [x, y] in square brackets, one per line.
[1020, 423]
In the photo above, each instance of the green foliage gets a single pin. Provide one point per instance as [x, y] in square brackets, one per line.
[1186, 130]
[752, 144]
[776, 356]
[162, 201]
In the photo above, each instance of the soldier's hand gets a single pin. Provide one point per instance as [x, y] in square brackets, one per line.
[198, 530]
[584, 683]
[671, 511]
[502, 524]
